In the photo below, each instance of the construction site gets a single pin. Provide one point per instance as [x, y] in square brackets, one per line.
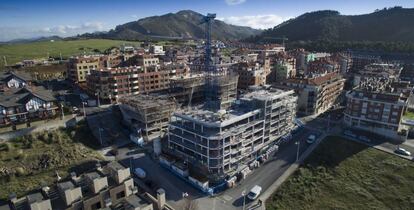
[194, 89]
[146, 115]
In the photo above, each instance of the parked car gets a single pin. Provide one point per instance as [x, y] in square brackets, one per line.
[311, 138]
[350, 134]
[402, 151]
[140, 173]
[364, 139]
[254, 192]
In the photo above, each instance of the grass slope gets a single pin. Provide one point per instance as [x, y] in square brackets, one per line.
[18, 52]
[29, 161]
[346, 175]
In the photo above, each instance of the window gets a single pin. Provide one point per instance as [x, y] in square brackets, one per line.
[120, 195]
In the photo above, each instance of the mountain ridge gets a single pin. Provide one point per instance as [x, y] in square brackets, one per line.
[390, 25]
[182, 24]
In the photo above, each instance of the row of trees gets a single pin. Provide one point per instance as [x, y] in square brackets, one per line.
[334, 46]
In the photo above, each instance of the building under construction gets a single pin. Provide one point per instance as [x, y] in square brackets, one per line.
[148, 116]
[195, 89]
[230, 141]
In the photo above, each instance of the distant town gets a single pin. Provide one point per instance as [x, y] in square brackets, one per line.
[191, 124]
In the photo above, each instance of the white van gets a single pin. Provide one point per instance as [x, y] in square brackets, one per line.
[140, 173]
[254, 192]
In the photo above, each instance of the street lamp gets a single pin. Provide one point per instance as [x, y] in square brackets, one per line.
[244, 198]
[97, 95]
[63, 114]
[100, 135]
[297, 150]
[83, 106]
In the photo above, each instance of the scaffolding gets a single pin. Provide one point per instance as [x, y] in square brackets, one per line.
[147, 114]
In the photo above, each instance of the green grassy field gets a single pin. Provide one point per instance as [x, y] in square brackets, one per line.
[18, 52]
[29, 161]
[346, 175]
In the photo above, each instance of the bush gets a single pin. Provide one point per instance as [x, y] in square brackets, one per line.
[20, 171]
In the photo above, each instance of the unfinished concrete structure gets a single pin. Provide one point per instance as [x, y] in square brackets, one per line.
[225, 142]
[192, 89]
[148, 115]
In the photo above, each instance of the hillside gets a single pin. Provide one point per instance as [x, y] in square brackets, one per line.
[341, 174]
[388, 25]
[35, 50]
[183, 24]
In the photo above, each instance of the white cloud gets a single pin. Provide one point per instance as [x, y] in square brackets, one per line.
[8, 33]
[134, 16]
[234, 2]
[255, 21]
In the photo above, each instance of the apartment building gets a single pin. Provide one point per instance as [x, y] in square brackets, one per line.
[79, 67]
[146, 60]
[157, 50]
[283, 66]
[377, 105]
[250, 74]
[112, 83]
[323, 65]
[316, 94]
[223, 143]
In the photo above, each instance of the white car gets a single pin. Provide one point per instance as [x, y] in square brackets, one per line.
[140, 173]
[402, 151]
[254, 192]
[311, 139]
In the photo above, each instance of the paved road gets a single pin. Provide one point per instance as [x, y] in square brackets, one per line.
[263, 176]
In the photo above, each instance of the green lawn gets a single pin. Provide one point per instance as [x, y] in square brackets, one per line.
[17, 52]
[341, 174]
[409, 115]
[27, 162]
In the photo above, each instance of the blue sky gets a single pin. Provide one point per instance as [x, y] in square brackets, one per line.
[33, 18]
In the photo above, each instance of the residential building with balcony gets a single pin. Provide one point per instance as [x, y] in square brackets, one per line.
[250, 74]
[377, 105]
[316, 94]
[223, 143]
[113, 83]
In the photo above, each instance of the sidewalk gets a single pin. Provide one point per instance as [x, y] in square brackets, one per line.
[6, 134]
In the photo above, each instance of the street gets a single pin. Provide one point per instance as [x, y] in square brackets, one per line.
[266, 175]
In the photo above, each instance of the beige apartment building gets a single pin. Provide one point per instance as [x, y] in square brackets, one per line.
[317, 94]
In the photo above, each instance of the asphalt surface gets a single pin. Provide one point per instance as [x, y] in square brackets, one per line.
[264, 176]
[269, 172]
